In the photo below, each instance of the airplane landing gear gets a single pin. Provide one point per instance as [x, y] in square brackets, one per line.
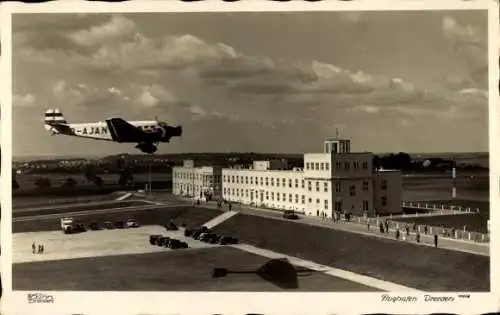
[147, 148]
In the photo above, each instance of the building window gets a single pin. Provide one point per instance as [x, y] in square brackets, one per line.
[251, 180]
[261, 182]
[267, 195]
[224, 190]
[325, 186]
[277, 182]
[384, 184]
[338, 165]
[307, 166]
[347, 165]
[326, 204]
[302, 184]
[322, 166]
[290, 183]
[267, 181]
[365, 205]
[384, 201]
[237, 179]
[365, 165]
[290, 198]
[232, 179]
[317, 186]
[310, 200]
[284, 197]
[327, 166]
[296, 198]
[317, 201]
[316, 166]
[356, 165]
[246, 193]
[365, 185]
[283, 180]
[296, 183]
[309, 184]
[272, 196]
[337, 187]
[272, 181]
[278, 196]
[352, 190]
[237, 192]
[246, 180]
[303, 199]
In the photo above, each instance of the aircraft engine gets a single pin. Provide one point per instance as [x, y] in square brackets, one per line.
[146, 148]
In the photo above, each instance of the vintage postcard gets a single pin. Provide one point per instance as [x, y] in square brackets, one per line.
[250, 157]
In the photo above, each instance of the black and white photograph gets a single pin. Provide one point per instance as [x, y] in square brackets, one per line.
[237, 151]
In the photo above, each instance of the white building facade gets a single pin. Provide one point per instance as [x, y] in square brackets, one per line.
[198, 183]
[334, 181]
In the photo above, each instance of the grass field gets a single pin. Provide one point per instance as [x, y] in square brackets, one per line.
[193, 217]
[181, 270]
[420, 267]
[27, 181]
[79, 207]
[28, 202]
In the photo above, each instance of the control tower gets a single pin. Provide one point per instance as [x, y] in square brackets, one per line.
[337, 145]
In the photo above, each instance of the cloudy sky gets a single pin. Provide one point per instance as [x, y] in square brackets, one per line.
[390, 81]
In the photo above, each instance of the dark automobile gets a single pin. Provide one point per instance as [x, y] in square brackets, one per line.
[170, 226]
[176, 244]
[119, 224]
[153, 238]
[196, 234]
[94, 226]
[208, 238]
[163, 241]
[108, 225]
[188, 232]
[80, 227]
[290, 215]
[228, 240]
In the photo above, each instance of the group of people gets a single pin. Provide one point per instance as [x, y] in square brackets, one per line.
[384, 228]
[37, 249]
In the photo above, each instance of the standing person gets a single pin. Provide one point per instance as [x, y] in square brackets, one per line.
[425, 229]
[43, 248]
[397, 234]
[435, 240]
[386, 227]
[33, 247]
[417, 237]
[381, 226]
[39, 248]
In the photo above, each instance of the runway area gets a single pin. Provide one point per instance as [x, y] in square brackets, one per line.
[418, 267]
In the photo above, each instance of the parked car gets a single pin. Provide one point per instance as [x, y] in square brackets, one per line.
[94, 226]
[208, 238]
[290, 214]
[131, 223]
[154, 238]
[108, 225]
[119, 224]
[188, 232]
[170, 226]
[176, 244]
[228, 240]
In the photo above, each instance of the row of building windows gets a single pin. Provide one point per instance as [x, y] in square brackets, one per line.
[325, 166]
[192, 176]
[263, 181]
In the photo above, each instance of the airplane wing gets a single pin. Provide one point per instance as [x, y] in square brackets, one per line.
[122, 131]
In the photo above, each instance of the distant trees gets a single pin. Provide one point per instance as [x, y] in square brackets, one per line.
[43, 183]
[69, 183]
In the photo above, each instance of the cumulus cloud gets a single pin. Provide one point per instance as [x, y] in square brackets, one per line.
[26, 100]
[115, 29]
[470, 43]
[83, 95]
[256, 81]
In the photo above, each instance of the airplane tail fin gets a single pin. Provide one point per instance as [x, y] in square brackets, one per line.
[54, 116]
[54, 121]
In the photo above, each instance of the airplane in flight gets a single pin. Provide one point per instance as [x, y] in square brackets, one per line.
[147, 134]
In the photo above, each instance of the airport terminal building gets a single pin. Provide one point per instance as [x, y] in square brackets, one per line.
[336, 180]
[198, 182]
